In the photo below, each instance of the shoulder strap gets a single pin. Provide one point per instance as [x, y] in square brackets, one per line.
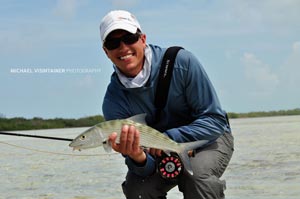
[164, 79]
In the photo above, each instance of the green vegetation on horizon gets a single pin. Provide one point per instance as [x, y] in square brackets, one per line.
[19, 123]
[265, 113]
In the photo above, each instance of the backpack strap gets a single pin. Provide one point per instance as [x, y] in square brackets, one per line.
[164, 79]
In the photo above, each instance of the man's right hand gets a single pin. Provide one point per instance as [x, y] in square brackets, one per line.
[129, 144]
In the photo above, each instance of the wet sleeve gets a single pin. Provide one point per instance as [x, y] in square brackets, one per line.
[147, 169]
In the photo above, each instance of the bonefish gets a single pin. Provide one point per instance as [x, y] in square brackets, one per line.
[149, 138]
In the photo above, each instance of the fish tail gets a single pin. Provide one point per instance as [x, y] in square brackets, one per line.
[184, 156]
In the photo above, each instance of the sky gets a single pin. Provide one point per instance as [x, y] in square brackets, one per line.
[52, 64]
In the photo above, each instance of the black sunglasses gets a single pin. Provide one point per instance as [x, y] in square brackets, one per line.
[128, 39]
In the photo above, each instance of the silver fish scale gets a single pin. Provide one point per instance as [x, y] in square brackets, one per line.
[149, 137]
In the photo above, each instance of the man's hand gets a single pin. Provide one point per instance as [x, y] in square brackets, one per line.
[155, 152]
[129, 144]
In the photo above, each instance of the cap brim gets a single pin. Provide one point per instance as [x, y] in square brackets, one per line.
[127, 27]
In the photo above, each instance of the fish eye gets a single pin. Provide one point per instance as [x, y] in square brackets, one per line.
[82, 137]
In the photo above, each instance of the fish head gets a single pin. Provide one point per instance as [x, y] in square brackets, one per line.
[91, 138]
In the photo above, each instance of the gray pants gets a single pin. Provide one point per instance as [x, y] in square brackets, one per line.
[208, 165]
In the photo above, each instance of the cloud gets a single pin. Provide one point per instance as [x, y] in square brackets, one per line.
[262, 79]
[22, 39]
[267, 86]
[124, 4]
[223, 19]
[66, 8]
[86, 82]
[266, 11]
[290, 70]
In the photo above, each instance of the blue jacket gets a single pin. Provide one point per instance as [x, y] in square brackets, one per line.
[193, 111]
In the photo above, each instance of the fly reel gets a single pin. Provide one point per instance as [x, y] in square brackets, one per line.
[170, 167]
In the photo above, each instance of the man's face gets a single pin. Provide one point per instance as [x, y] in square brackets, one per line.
[129, 58]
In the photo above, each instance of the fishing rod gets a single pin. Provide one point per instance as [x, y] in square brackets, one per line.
[169, 167]
[36, 136]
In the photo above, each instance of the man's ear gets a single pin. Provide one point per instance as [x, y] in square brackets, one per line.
[143, 38]
[105, 50]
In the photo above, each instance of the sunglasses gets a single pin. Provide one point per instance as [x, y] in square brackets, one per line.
[128, 39]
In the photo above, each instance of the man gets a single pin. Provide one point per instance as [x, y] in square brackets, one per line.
[192, 113]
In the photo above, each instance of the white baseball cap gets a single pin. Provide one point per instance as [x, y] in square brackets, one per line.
[118, 19]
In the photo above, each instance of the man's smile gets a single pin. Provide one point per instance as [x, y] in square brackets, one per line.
[126, 56]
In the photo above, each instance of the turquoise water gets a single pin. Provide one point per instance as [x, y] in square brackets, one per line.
[265, 165]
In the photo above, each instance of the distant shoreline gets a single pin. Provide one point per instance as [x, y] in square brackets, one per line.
[265, 113]
[20, 123]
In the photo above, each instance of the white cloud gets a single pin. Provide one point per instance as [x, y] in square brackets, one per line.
[267, 11]
[22, 38]
[121, 4]
[296, 47]
[246, 17]
[66, 8]
[290, 70]
[225, 18]
[86, 82]
[262, 79]
[272, 86]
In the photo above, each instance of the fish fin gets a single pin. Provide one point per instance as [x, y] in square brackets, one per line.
[107, 146]
[168, 152]
[184, 153]
[139, 118]
[186, 162]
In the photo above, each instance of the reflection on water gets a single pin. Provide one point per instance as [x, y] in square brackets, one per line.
[265, 165]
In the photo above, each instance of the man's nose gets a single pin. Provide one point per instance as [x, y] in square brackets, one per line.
[122, 45]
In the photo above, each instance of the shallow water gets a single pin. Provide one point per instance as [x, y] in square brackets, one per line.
[265, 165]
